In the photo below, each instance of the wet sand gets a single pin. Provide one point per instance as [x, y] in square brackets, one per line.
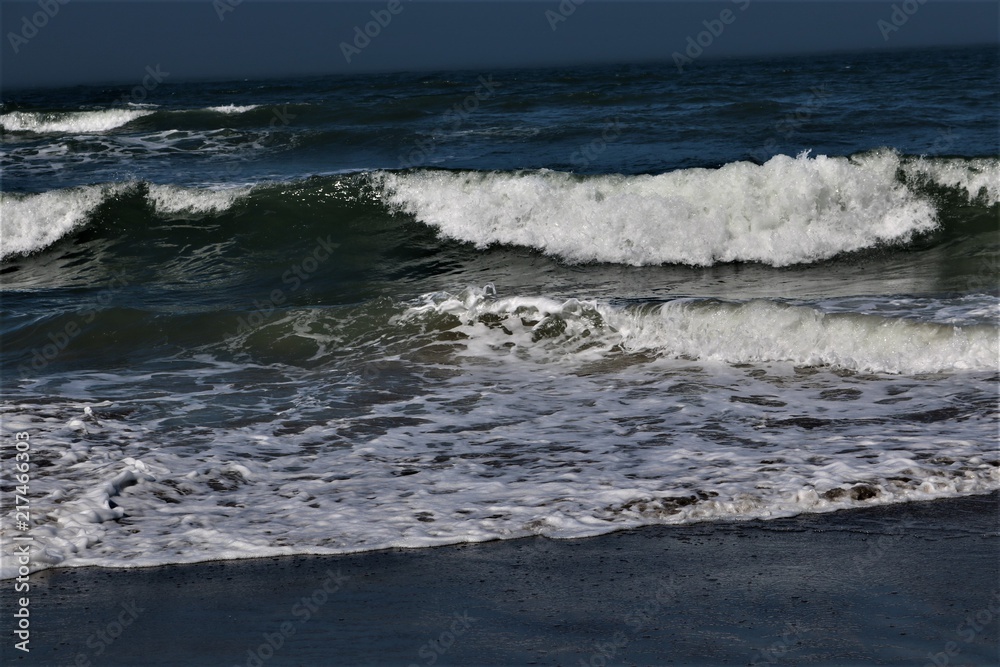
[914, 584]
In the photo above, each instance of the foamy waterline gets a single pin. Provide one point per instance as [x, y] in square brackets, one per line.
[493, 453]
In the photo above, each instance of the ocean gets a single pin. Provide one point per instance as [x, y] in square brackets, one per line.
[338, 314]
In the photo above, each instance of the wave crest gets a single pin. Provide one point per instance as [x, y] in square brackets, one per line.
[80, 122]
[31, 222]
[544, 329]
[786, 211]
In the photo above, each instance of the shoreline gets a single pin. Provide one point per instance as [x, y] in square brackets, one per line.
[914, 583]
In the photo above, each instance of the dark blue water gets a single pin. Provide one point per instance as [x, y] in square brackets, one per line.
[935, 102]
[325, 314]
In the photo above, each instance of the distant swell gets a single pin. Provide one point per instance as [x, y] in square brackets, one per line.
[70, 122]
[786, 211]
[234, 108]
[97, 121]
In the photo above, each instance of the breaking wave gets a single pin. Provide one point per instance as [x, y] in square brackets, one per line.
[708, 330]
[71, 122]
[30, 222]
[786, 211]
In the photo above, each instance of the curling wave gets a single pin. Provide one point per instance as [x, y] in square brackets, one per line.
[786, 211]
[71, 122]
[31, 222]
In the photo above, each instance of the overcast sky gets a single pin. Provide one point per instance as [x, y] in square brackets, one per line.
[107, 42]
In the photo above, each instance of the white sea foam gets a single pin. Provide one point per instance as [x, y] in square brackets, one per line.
[30, 222]
[979, 177]
[786, 211]
[756, 331]
[79, 122]
[169, 199]
[234, 108]
[506, 446]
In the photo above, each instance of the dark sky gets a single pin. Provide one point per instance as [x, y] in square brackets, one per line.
[97, 42]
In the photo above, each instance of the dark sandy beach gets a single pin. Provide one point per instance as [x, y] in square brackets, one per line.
[911, 584]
